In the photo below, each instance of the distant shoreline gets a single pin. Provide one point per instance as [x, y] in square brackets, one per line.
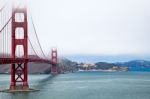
[99, 70]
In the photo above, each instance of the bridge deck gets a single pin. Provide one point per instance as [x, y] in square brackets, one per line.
[22, 60]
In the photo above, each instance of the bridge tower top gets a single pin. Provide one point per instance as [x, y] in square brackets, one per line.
[54, 56]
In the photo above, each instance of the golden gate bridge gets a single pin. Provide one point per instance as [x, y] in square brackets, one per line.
[19, 44]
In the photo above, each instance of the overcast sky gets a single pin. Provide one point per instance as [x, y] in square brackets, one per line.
[102, 27]
[93, 27]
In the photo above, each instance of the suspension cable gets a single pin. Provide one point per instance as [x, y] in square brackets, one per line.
[32, 47]
[6, 24]
[37, 36]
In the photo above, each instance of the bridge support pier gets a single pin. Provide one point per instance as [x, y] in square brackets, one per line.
[19, 75]
[25, 82]
[54, 70]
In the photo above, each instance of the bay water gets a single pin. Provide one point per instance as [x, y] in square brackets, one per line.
[84, 85]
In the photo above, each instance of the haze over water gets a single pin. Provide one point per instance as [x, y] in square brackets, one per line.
[85, 85]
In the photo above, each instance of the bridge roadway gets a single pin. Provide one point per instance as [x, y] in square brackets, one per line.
[22, 60]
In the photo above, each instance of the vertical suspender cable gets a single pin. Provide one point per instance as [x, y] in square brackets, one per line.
[3, 35]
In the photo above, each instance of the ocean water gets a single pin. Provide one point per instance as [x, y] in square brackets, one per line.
[84, 85]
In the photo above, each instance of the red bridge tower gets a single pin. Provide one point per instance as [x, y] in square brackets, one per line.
[19, 71]
[54, 68]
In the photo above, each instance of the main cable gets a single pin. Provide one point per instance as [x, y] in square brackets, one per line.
[37, 35]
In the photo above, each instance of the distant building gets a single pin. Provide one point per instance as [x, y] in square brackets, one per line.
[120, 68]
[87, 66]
